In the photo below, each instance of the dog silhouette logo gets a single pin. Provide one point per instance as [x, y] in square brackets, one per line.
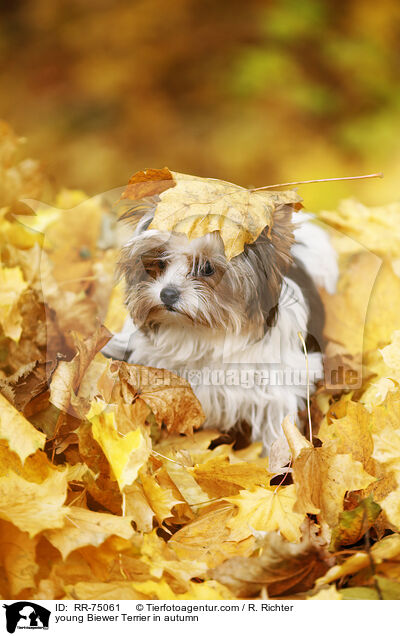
[26, 615]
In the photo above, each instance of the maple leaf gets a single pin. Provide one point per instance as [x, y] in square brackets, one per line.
[363, 313]
[33, 507]
[281, 567]
[219, 478]
[85, 527]
[387, 368]
[18, 556]
[163, 558]
[126, 454]
[267, 510]
[21, 436]
[208, 590]
[12, 286]
[222, 540]
[386, 549]
[162, 500]
[195, 206]
[170, 397]
[353, 524]
[322, 475]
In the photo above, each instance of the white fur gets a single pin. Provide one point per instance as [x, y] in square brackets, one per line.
[201, 352]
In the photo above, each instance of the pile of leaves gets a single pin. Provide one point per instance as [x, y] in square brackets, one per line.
[109, 489]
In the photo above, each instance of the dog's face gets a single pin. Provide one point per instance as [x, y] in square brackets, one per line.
[171, 280]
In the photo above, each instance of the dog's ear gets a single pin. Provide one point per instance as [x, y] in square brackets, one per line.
[137, 214]
[271, 258]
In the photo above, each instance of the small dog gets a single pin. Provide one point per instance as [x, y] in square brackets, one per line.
[230, 327]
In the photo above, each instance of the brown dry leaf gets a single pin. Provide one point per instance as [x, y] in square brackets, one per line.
[68, 376]
[323, 476]
[195, 206]
[386, 549]
[24, 385]
[147, 183]
[170, 398]
[282, 567]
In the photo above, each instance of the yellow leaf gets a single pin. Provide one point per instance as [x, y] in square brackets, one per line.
[387, 448]
[189, 542]
[387, 368]
[350, 433]
[195, 206]
[34, 507]
[85, 527]
[364, 311]
[12, 285]
[137, 507]
[208, 590]
[267, 509]
[188, 487]
[126, 454]
[22, 437]
[18, 556]
[375, 227]
[162, 558]
[323, 476]
[161, 500]
[220, 478]
[386, 549]
[95, 590]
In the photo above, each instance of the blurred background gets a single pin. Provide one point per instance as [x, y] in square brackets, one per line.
[253, 92]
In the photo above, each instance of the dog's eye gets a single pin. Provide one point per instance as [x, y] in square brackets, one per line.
[206, 269]
[161, 265]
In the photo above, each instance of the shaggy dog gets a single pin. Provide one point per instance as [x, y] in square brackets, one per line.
[230, 327]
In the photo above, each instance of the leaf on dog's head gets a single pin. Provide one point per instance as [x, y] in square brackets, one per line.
[146, 183]
[195, 206]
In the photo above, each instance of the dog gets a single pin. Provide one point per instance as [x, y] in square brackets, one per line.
[230, 327]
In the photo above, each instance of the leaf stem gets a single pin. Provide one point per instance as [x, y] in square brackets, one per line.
[308, 384]
[374, 175]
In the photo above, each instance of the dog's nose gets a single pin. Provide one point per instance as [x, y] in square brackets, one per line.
[169, 295]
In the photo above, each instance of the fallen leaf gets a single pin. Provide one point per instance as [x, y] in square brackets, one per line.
[266, 509]
[323, 476]
[126, 454]
[353, 524]
[33, 507]
[85, 527]
[195, 206]
[21, 436]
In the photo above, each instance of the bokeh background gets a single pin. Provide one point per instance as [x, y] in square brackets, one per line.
[254, 92]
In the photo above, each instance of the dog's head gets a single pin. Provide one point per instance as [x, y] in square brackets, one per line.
[171, 280]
